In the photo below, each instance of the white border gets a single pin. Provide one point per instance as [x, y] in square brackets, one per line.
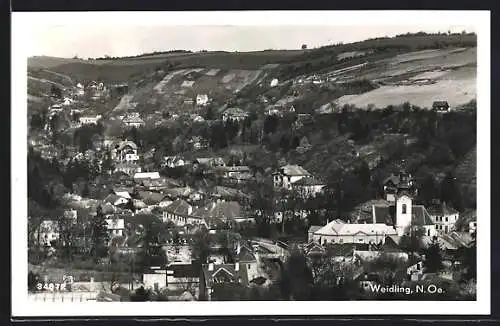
[21, 24]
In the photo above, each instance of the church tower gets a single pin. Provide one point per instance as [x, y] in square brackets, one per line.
[404, 202]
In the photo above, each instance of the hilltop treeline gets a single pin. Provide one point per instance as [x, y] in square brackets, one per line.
[147, 54]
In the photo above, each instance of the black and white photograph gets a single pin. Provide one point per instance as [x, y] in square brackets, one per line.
[331, 160]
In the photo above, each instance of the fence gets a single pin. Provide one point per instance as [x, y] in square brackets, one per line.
[63, 296]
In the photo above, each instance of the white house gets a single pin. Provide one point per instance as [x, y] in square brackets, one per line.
[274, 82]
[125, 152]
[202, 99]
[80, 90]
[67, 101]
[146, 175]
[116, 200]
[90, 119]
[155, 278]
[173, 161]
[115, 226]
[133, 121]
[55, 108]
[289, 174]
[178, 212]
[308, 187]
[472, 227]
[444, 217]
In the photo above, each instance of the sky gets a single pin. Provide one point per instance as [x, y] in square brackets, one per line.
[112, 34]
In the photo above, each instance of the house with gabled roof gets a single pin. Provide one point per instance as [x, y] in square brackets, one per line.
[125, 151]
[441, 106]
[309, 186]
[133, 121]
[444, 217]
[289, 174]
[178, 212]
[214, 276]
[115, 200]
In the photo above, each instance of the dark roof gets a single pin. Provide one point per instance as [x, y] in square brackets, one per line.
[314, 228]
[390, 246]
[394, 179]
[437, 104]
[344, 249]
[420, 216]
[178, 207]
[151, 198]
[442, 209]
[111, 198]
[246, 255]
[259, 280]
[372, 277]
[385, 214]
[226, 210]
[313, 248]
[309, 181]
[184, 270]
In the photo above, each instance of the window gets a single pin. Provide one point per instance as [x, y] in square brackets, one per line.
[437, 226]
[248, 266]
[361, 240]
[341, 240]
[403, 209]
[156, 286]
[428, 232]
[446, 219]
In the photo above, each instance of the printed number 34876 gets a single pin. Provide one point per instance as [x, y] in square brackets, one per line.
[51, 286]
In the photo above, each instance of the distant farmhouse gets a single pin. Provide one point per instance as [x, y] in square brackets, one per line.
[441, 106]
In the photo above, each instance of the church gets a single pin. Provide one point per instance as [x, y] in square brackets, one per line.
[397, 217]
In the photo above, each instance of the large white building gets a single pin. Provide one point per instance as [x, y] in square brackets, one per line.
[394, 220]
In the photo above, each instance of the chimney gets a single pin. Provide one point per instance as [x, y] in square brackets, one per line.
[211, 267]
[236, 266]
[190, 209]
